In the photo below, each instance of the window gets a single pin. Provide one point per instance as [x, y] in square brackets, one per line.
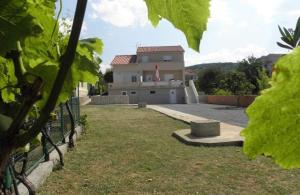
[134, 79]
[124, 92]
[149, 77]
[167, 58]
[168, 77]
[152, 92]
[145, 59]
[133, 93]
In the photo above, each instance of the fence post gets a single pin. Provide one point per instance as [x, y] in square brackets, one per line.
[62, 124]
[78, 103]
[72, 107]
[44, 145]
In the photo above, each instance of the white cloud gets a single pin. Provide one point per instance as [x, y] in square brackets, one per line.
[293, 14]
[225, 55]
[267, 9]
[220, 12]
[120, 13]
[84, 28]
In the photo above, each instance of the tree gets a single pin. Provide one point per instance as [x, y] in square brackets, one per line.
[290, 37]
[108, 77]
[100, 87]
[209, 80]
[215, 82]
[236, 83]
[255, 73]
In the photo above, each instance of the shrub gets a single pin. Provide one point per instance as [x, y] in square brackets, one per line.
[222, 92]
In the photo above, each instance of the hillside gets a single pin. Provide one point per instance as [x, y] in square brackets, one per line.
[225, 66]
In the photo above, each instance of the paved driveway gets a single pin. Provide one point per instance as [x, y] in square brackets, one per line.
[227, 114]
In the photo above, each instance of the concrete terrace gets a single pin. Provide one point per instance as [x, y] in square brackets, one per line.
[229, 136]
[227, 114]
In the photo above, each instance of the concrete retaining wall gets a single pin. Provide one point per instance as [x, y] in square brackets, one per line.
[84, 100]
[39, 175]
[151, 95]
[110, 99]
[231, 100]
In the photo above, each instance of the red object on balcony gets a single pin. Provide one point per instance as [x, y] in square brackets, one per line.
[156, 74]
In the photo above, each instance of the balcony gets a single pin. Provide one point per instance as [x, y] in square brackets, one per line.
[161, 84]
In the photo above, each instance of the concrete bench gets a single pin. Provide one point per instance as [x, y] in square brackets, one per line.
[142, 105]
[205, 128]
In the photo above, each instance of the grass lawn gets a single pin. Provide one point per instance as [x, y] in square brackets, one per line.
[131, 151]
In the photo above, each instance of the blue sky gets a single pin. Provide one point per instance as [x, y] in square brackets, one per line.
[236, 29]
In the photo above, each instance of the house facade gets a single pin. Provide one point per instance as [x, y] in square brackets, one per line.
[154, 75]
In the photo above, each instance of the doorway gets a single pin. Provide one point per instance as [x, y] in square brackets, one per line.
[173, 97]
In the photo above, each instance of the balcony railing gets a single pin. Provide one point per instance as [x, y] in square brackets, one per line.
[171, 83]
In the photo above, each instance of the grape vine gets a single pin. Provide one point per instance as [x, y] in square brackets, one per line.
[34, 73]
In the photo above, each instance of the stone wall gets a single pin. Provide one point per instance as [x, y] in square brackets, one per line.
[110, 99]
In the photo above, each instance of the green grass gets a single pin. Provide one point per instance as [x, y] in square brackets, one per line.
[131, 151]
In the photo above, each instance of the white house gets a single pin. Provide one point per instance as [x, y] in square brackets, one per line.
[154, 75]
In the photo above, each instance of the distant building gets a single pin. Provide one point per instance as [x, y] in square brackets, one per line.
[191, 75]
[269, 61]
[154, 75]
[82, 91]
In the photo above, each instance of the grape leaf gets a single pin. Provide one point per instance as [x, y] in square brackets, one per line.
[85, 67]
[36, 141]
[5, 122]
[274, 117]
[92, 44]
[7, 80]
[41, 48]
[18, 21]
[189, 16]
[23, 149]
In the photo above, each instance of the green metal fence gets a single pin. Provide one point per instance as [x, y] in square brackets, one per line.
[54, 134]
[58, 129]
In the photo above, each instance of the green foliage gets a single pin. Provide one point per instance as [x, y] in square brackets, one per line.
[255, 73]
[31, 48]
[273, 128]
[209, 80]
[249, 78]
[23, 149]
[236, 83]
[86, 65]
[83, 120]
[190, 16]
[291, 38]
[36, 141]
[21, 19]
[108, 76]
[7, 80]
[221, 92]
[100, 87]
[5, 122]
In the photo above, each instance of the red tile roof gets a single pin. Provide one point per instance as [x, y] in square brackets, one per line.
[190, 72]
[176, 48]
[124, 59]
